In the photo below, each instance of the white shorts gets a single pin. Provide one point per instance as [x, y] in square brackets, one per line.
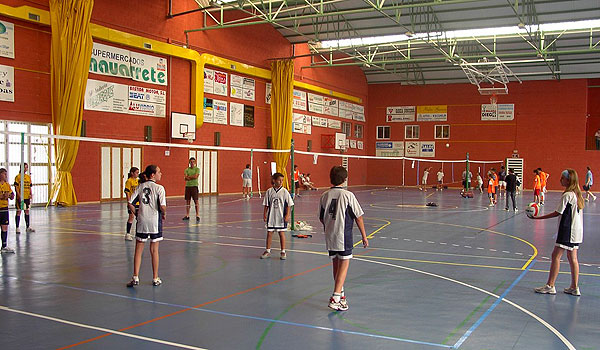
[424, 182]
[247, 183]
[544, 190]
[502, 184]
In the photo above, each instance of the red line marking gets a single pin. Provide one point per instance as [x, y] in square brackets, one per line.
[195, 307]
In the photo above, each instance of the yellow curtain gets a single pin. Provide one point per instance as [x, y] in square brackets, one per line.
[282, 76]
[70, 58]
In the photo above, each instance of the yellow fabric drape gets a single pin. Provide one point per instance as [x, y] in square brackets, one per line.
[70, 58]
[282, 95]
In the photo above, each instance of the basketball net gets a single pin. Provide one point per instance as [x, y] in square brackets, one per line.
[493, 99]
[189, 136]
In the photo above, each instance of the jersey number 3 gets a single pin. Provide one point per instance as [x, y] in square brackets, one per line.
[146, 197]
[333, 208]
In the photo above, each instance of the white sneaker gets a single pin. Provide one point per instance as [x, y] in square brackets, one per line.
[338, 306]
[128, 237]
[29, 229]
[265, 255]
[18, 231]
[7, 250]
[546, 290]
[573, 291]
[135, 280]
[156, 282]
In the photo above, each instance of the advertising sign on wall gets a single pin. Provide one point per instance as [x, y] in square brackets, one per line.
[7, 83]
[412, 149]
[437, 113]
[400, 114]
[506, 112]
[7, 39]
[117, 62]
[427, 149]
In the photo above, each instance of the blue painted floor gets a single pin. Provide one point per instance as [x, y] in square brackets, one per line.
[460, 275]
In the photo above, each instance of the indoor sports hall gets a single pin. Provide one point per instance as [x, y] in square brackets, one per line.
[173, 174]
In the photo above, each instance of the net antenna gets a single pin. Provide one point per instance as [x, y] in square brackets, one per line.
[490, 76]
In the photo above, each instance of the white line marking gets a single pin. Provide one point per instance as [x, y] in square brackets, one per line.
[455, 245]
[406, 239]
[430, 242]
[479, 248]
[536, 317]
[468, 246]
[418, 240]
[493, 250]
[100, 329]
[444, 243]
[506, 251]
[395, 238]
[383, 237]
[519, 253]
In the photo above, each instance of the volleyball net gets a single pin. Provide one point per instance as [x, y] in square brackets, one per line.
[102, 165]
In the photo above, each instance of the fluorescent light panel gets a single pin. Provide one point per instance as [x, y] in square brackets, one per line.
[465, 33]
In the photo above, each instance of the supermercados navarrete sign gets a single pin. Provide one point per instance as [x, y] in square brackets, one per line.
[116, 62]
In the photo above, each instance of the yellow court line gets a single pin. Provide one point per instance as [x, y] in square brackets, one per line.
[535, 251]
[374, 232]
[429, 195]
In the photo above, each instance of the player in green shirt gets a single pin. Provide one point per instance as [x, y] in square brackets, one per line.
[191, 188]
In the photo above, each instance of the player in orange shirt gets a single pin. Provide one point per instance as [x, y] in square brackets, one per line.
[491, 187]
[494, 177]
[544, 179]
[537, 186]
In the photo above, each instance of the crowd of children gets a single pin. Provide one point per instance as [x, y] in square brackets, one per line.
[7, 194]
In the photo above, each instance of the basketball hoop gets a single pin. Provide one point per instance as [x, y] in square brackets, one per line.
[190, 136]
[493, 99]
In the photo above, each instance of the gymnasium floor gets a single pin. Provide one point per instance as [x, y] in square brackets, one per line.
[457, 276]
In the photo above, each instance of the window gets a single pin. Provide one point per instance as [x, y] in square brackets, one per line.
[411, 132]
[347, 129]
[383, 132]
[442, 131]
[358, 131]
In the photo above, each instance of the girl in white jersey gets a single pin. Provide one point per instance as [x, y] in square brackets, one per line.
[151, 213]
[570, 233]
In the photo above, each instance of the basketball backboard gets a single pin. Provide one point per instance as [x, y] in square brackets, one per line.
[182, 125]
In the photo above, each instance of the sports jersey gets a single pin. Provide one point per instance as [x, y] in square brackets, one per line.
[589, 178]
[496, 181]
[296, 175]
[247, 174]
[278, 201]
[543, 179]
[26, 185]
[150, 196]
[570, 224]
[425, 176]
[491, 186]
[440, 176]
[501, 175]
[339, 209]
[131, 184]
[4, 189]
[537, 183]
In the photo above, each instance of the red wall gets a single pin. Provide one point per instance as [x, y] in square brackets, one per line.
[545, 112]
[254, 45]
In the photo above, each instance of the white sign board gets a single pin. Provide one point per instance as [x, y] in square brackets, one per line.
[412, 149]
[106, 97]
[220, 83]
[236, 114]
[400, 114]
[299, 100]
[7, 83]
[489, 112]
[209, 81]
[7, 39]
[220, 112]
[506, 112]
[427, 149]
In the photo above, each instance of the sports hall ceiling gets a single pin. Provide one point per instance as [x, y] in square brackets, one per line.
[427, 49]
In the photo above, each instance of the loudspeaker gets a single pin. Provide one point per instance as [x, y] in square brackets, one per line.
[269, 142]
[148, 133]
[308, 145]
[217, 138]
[83, 127]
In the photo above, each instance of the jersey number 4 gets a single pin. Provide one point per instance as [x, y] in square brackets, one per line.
[333, 208]
[146, 197]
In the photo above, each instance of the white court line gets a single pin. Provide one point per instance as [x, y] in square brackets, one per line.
[100, 329]
[536, 317]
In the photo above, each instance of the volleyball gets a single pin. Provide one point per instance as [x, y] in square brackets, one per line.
[533, 209]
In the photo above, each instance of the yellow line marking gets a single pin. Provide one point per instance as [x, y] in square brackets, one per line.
[535, 251]
[429, 195]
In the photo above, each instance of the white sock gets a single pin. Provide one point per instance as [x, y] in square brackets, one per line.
[268, 250]
[136, 278]
[283, 251]
[343, 294]
[336, 297]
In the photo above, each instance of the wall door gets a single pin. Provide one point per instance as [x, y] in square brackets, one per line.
[208, 163]
[116, 162]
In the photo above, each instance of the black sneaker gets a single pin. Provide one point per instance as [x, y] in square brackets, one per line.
[134, 282]
[197, 219]
[185, 218]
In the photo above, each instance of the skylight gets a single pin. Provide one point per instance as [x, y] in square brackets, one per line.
[466, 33]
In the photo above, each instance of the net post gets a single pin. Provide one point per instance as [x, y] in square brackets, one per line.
[22, 185]
[292, 226]
[251, 167]
[258, 179]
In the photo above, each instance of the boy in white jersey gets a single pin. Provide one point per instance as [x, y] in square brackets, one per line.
[277, 204]
[151, 213]
[338, 211]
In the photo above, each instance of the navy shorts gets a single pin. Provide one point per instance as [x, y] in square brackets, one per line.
[344, 255]
[154, 237]
[4, 216]
[18, 203]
